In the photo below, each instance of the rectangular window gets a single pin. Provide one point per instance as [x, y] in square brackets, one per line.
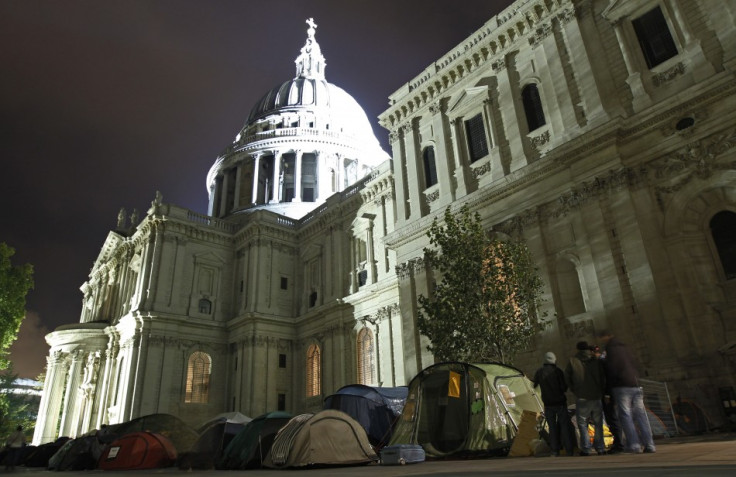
[654, 37]
[284, 283]
[282, 402]
[282, 361]
[362, 277]
[476, 132]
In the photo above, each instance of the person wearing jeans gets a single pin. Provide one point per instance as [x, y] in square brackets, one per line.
[586, 378]
[623, 378]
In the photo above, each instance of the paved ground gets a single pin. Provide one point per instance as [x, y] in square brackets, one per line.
[711, 455]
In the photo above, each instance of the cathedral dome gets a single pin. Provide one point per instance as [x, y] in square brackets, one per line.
[332, 107]
[304, 140]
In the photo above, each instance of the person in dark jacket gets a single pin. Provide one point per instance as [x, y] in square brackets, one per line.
[623, 379]
[586, 378]
[551, 381]
[609, 408]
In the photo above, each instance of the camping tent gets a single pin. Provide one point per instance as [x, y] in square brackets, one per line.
[459, 408]
[139, 450]
[39, 456]
[180, 434]
[249, 447]
[375, 408]
[208, 449]
[328, 437]
[76, 454]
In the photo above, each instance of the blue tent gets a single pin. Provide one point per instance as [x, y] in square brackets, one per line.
[375, 408]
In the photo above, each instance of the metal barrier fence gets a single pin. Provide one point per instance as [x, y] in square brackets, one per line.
[659, 408]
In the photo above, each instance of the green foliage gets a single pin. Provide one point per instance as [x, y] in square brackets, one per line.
[15, 409]
[485, 305]
[15, 282]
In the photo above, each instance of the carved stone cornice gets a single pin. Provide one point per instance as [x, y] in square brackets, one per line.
[161, 340]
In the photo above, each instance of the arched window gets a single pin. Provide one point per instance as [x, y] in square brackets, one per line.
[366, 353]
[198, 378]
[532, 107]
[430, 170]
[568, 283]
[314, 371]
[205, 306]
[723, 228]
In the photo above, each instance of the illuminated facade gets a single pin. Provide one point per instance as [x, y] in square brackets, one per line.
[602, 132]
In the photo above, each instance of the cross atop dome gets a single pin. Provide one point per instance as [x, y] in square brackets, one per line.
[310, 63]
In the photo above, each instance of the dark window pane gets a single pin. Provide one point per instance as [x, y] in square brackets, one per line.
[532, 107]
[723, 228]
[654, 37]
[430, 170]
[476, 133]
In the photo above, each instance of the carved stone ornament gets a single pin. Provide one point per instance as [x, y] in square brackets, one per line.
[540, 34]
[661, 78]
[432, 196]
[578, 329]
[698, 160]
[482, 170]
[541, 140]
[499, 65]
[407, 269]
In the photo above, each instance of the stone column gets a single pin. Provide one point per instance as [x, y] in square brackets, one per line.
[256, 171]
[276, 186]
[416, 198]
[443, 154]
[71, 396]
[370, 255]
[238, 181]
[223, 193]
[322, 185]
[48, 410]
[298, 176]
[397, 147]
[462, 172]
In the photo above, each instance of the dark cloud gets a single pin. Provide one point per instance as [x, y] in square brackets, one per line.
[102, 103]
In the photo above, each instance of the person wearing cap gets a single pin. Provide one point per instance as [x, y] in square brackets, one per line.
[628, 396]
[586, 378]
[551, 381]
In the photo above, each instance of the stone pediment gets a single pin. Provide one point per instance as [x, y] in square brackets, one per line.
[108, 250]
[209, 258]
[470, 97]
[618, 9]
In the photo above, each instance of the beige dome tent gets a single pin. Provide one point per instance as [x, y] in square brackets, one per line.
[329, 437]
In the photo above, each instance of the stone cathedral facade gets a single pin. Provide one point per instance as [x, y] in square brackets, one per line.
[602, 132]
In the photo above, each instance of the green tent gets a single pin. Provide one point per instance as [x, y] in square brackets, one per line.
[460, 408]
[249, 447]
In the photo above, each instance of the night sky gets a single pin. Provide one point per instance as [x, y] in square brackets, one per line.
[102, 103]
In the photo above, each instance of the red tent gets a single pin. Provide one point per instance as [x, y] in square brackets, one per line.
[139, 450]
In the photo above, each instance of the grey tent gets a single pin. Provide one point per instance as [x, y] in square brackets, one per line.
[460, 408]
[176, 430]
[249, 447]
[375, 408]
[326, 438]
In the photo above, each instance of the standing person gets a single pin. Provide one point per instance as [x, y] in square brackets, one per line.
[609, 408]
[586, 378]
[627, 394]
[551, 381]
[15, 443]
